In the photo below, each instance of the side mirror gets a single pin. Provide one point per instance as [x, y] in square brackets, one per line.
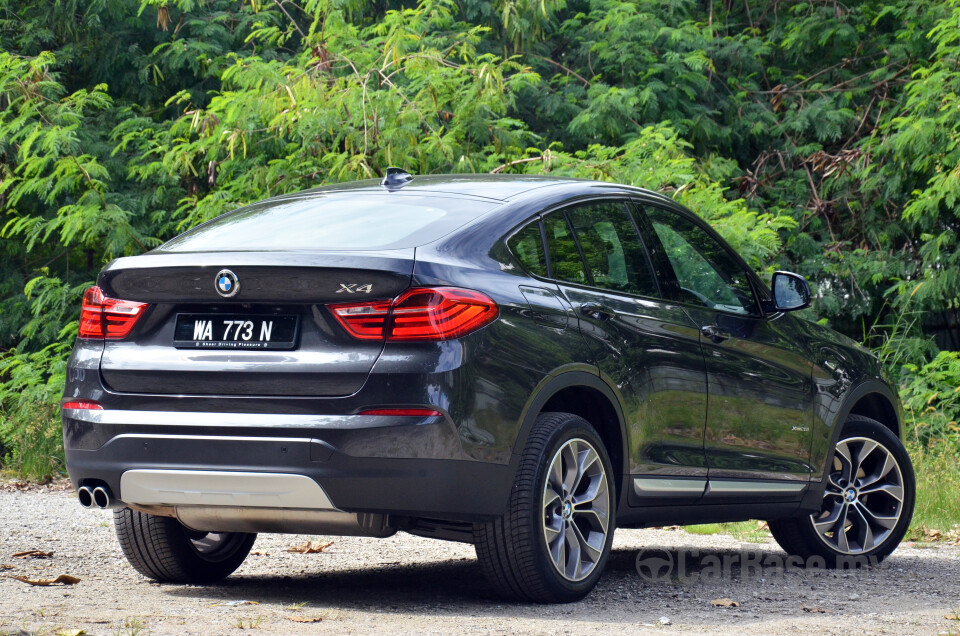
[790, 292]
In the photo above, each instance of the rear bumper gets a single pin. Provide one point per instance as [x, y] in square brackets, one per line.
[374, 464]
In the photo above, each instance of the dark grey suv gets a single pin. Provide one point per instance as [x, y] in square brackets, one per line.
[519, 363]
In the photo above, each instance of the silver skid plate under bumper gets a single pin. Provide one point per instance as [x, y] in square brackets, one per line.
[235, 501]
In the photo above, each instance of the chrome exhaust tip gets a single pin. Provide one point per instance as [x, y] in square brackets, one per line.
[85, 495]
[101, 497]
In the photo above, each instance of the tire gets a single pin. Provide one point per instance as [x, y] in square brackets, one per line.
[162, 549]
[868, 504]
[514, 551]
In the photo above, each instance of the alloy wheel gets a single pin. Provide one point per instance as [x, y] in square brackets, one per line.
[864, 497]
[214, 546]
[576, 510]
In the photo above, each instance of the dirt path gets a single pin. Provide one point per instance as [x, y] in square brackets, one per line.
[410, 585]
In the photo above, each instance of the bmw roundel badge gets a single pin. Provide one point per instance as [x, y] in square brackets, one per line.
[226, 283]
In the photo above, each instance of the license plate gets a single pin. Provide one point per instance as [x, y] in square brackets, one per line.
[205, 331]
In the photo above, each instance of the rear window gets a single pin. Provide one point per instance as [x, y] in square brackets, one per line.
[332, 222]
[527, 245]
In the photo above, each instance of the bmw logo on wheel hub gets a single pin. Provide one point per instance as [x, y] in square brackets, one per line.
[226, 283]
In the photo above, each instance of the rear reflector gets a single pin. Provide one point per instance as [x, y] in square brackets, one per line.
[86, 405]
[424, 313]
[110, 318]
[403, 412]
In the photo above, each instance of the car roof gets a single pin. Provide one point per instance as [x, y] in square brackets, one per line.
[502, 198]
[496, 187]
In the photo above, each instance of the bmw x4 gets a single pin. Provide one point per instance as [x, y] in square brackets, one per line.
[520, 363]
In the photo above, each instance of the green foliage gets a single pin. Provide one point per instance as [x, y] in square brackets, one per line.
[29, 408]
[937, 511]
[924, 142]
[932, 399]
[656, 158]
[816, 137]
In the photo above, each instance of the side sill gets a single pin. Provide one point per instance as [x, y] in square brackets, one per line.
[672, 487]
[663, 491]
[749, 487]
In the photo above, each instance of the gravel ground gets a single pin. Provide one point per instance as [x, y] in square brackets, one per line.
[406, 584]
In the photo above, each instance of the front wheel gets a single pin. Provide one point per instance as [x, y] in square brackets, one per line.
[555, 538]
[868, 501]
[163, 549]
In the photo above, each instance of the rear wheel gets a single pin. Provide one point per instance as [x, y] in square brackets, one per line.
[867, 504]
[163, 549]
[555, 538]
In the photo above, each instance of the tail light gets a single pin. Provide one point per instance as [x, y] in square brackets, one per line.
[108, 318]
[421, 313]
[365, 321]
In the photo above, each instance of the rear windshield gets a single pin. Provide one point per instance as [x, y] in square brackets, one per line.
[338, 221]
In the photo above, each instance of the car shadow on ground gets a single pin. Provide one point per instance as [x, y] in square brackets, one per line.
[458, 585]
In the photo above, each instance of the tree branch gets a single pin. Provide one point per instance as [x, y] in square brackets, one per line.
[569, 71]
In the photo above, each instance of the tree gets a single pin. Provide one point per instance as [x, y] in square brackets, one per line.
[817, 137]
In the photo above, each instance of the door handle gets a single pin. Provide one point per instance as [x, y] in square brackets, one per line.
[716, 334]
[597, 311]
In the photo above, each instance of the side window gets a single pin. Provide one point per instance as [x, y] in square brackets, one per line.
[706, 272]
[564, 255]
[612, 249]
[527, 246]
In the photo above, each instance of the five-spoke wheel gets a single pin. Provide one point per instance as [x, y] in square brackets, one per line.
[863, 499]
[867, 501]
[553, 541]
[575, 509]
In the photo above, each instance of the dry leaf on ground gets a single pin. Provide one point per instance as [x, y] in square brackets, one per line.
[71, 632]
[305, 619]
[951, 536]
[724, 602]
[6, 566]
[66, 579]
[310, 547]
[32, 554]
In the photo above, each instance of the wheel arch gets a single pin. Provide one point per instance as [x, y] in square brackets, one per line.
[582, 393]
[871, 398]
[879, 407]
